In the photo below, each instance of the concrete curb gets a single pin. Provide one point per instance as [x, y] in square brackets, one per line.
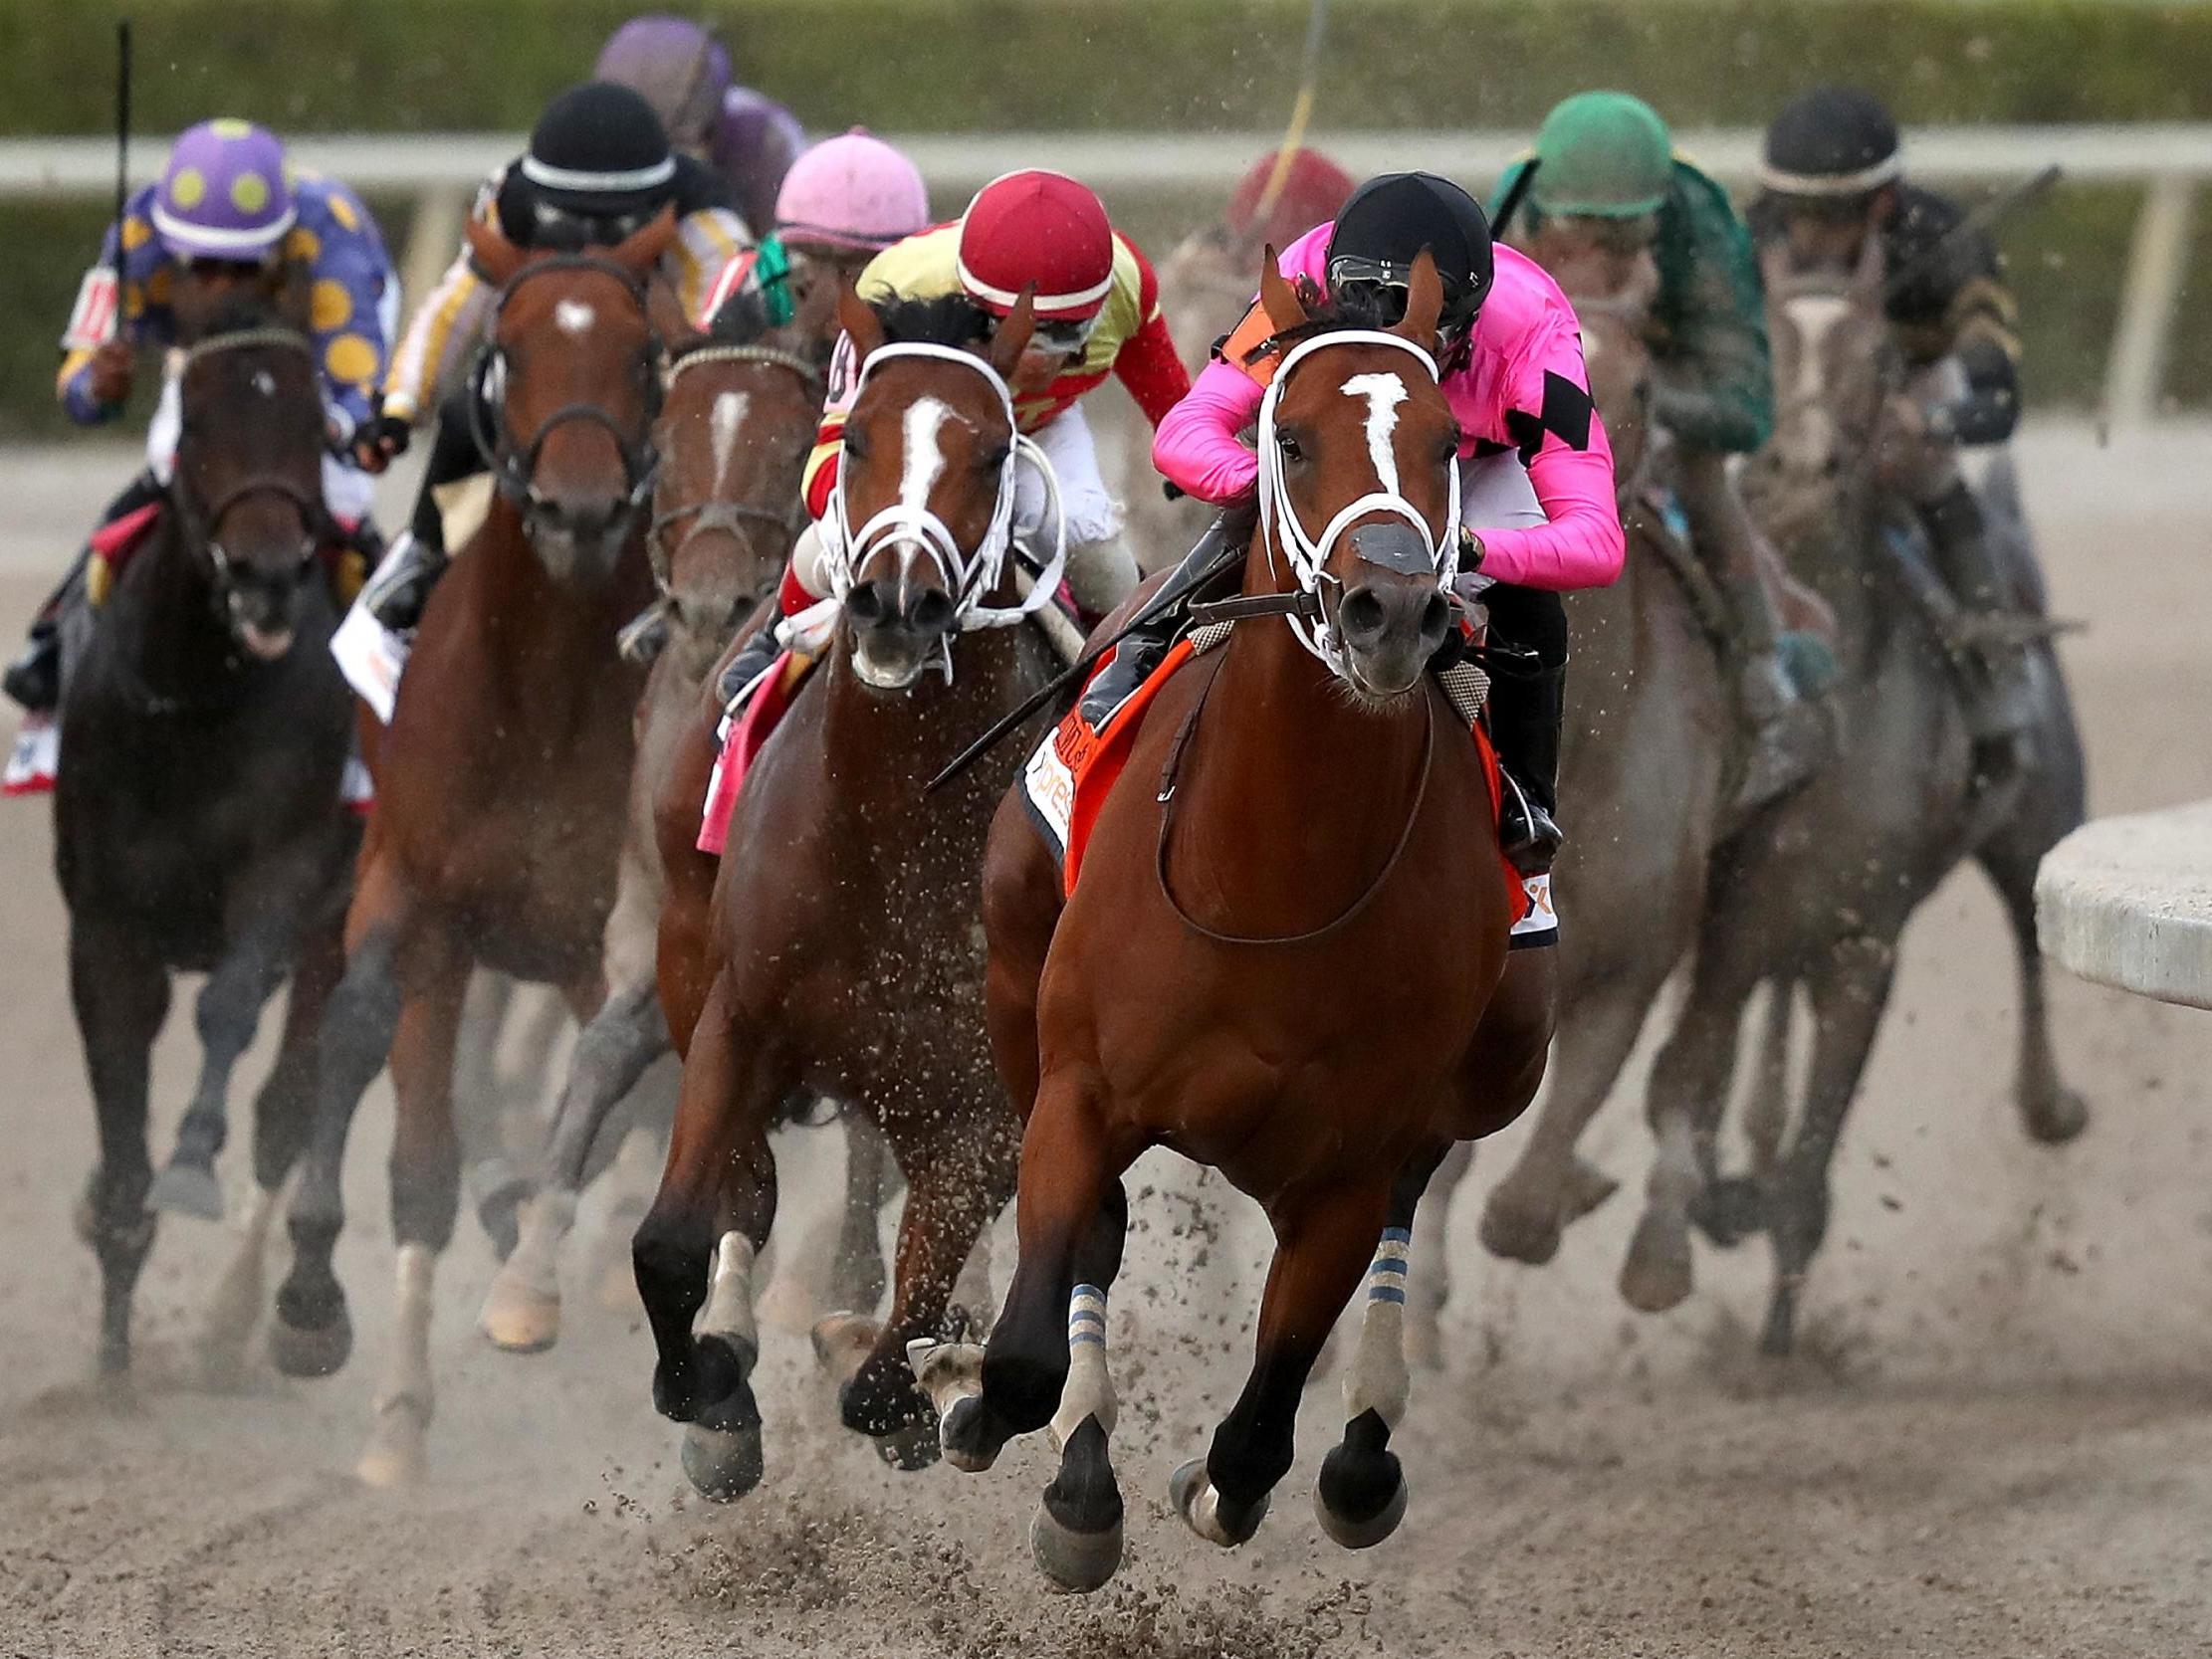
[2127, 901]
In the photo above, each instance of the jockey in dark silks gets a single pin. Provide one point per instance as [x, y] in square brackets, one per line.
[599, 168]
[230, 222]
[684, 72]
[1833, 176]
[1606, 173]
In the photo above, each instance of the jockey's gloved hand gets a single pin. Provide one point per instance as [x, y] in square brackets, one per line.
[379, 441]
[112, 374]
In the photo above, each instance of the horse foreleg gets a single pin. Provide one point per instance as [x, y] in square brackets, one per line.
[260, 941]
[121, 993]
[2052, 1113]
[1691, 1080]
[425, 1199]
[283, 1114]
[1361, 1496]
[522, 1312]
[312, 1336]
[1324, 1241]
[1850, 989]
[716, 1205]
[857, 1278]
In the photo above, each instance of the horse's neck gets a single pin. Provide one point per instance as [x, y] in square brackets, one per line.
[883, 746]
[527, 614]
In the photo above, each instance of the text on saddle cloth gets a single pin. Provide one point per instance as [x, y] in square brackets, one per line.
[1070, 774]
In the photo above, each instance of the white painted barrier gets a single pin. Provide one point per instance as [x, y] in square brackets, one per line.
[2127, 901]
[2170, 161]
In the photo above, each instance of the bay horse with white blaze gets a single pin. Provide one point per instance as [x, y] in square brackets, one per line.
[198, 819]
[502, 778]
[1288, 962]
[844, 955]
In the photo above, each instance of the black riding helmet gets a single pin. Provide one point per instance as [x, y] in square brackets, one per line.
[598, 167]
[1835, 143]
[1382, 230]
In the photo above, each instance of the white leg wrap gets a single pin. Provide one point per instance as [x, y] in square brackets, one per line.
[729, 1308]
[1090, 1386]
[1377, 1380]
[413, 1299]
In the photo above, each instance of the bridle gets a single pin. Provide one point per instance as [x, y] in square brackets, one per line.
[970, 575]
[734, 518]
[513, 464]
[1307, 555]
[204, 523]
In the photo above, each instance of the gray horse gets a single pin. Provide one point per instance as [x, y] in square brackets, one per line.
[1817, 892]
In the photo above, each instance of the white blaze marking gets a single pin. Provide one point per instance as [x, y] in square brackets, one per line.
[727, 421]
[1816, 315]
[573, 316]
[924, 465]
[1383, 393]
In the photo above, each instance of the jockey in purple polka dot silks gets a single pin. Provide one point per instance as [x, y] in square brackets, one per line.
[231, 228]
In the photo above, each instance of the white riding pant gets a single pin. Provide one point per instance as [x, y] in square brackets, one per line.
[1496, 495]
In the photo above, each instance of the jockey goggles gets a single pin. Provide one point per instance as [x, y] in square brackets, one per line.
[1064, 337]
[1347, 272]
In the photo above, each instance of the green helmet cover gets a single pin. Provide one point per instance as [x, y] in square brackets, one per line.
[1604, 156]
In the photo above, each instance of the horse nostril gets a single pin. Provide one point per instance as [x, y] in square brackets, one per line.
[1436, 617]
[1362, 612]
[932, 612]
[865, 604]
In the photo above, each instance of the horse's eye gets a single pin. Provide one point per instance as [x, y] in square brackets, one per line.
[993, 459]
[1448, 450]
[1287, 442]
[856, 445]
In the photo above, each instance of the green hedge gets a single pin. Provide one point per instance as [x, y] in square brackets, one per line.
[345, 65]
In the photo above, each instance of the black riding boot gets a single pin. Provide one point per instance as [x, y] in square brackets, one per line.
[34, 678]
[1527, 660]
[398, 593]
[1999, 694]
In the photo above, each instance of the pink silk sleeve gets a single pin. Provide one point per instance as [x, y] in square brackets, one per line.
[1582, 544]
[1196, 447]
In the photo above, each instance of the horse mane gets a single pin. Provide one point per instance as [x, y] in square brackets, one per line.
[741, 320]
[951, 320]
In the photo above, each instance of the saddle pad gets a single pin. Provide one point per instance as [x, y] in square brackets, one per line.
[1073, 770]
[35, 761]
[744, 733]
[112, 545]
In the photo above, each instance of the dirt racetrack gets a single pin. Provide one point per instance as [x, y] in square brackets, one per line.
[2000, 1443]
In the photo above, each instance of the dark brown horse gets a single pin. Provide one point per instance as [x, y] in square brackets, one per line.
[1820, 900]
[1283, 961]
[842, 955]
[196, 816]
[739, 421]
[501, 779]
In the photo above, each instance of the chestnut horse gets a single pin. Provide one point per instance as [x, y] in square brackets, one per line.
[1288, 962]
[842, 955]
[502, 778]
[197, 825]
[739, 421]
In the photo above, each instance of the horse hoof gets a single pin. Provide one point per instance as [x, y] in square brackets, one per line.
[2056, 1118]
[911, 1447]
[189, 1190]
[1730, 1210]
[843, 1343]
[1356, 1534]
[1586, 1188]
[723, 1464]
[1658, 1274]
[311, 1350]
[1078, 1563]
[1207, 1514]
[962, 1436]
[1521, 1232]
[519, 1317]
[396, 1454]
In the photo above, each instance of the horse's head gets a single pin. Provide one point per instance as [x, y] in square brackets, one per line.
[733, 433]
[919, 527]
[1605, 270]
[249, 476]
[1358, 482]
[572, 383]
[1835, 360]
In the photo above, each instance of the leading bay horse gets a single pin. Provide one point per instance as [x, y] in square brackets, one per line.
[197, 824]
[502, 778]
[842, 956]
[1820, 900]
[1287, 960]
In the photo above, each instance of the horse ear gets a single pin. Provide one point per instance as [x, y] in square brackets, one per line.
[860, 320]
[496, 257]
[1011, 338]
[1424, 302]
[1276, 297]
[641, 250]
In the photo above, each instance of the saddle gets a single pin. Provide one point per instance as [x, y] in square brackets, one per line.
[1070, 774]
